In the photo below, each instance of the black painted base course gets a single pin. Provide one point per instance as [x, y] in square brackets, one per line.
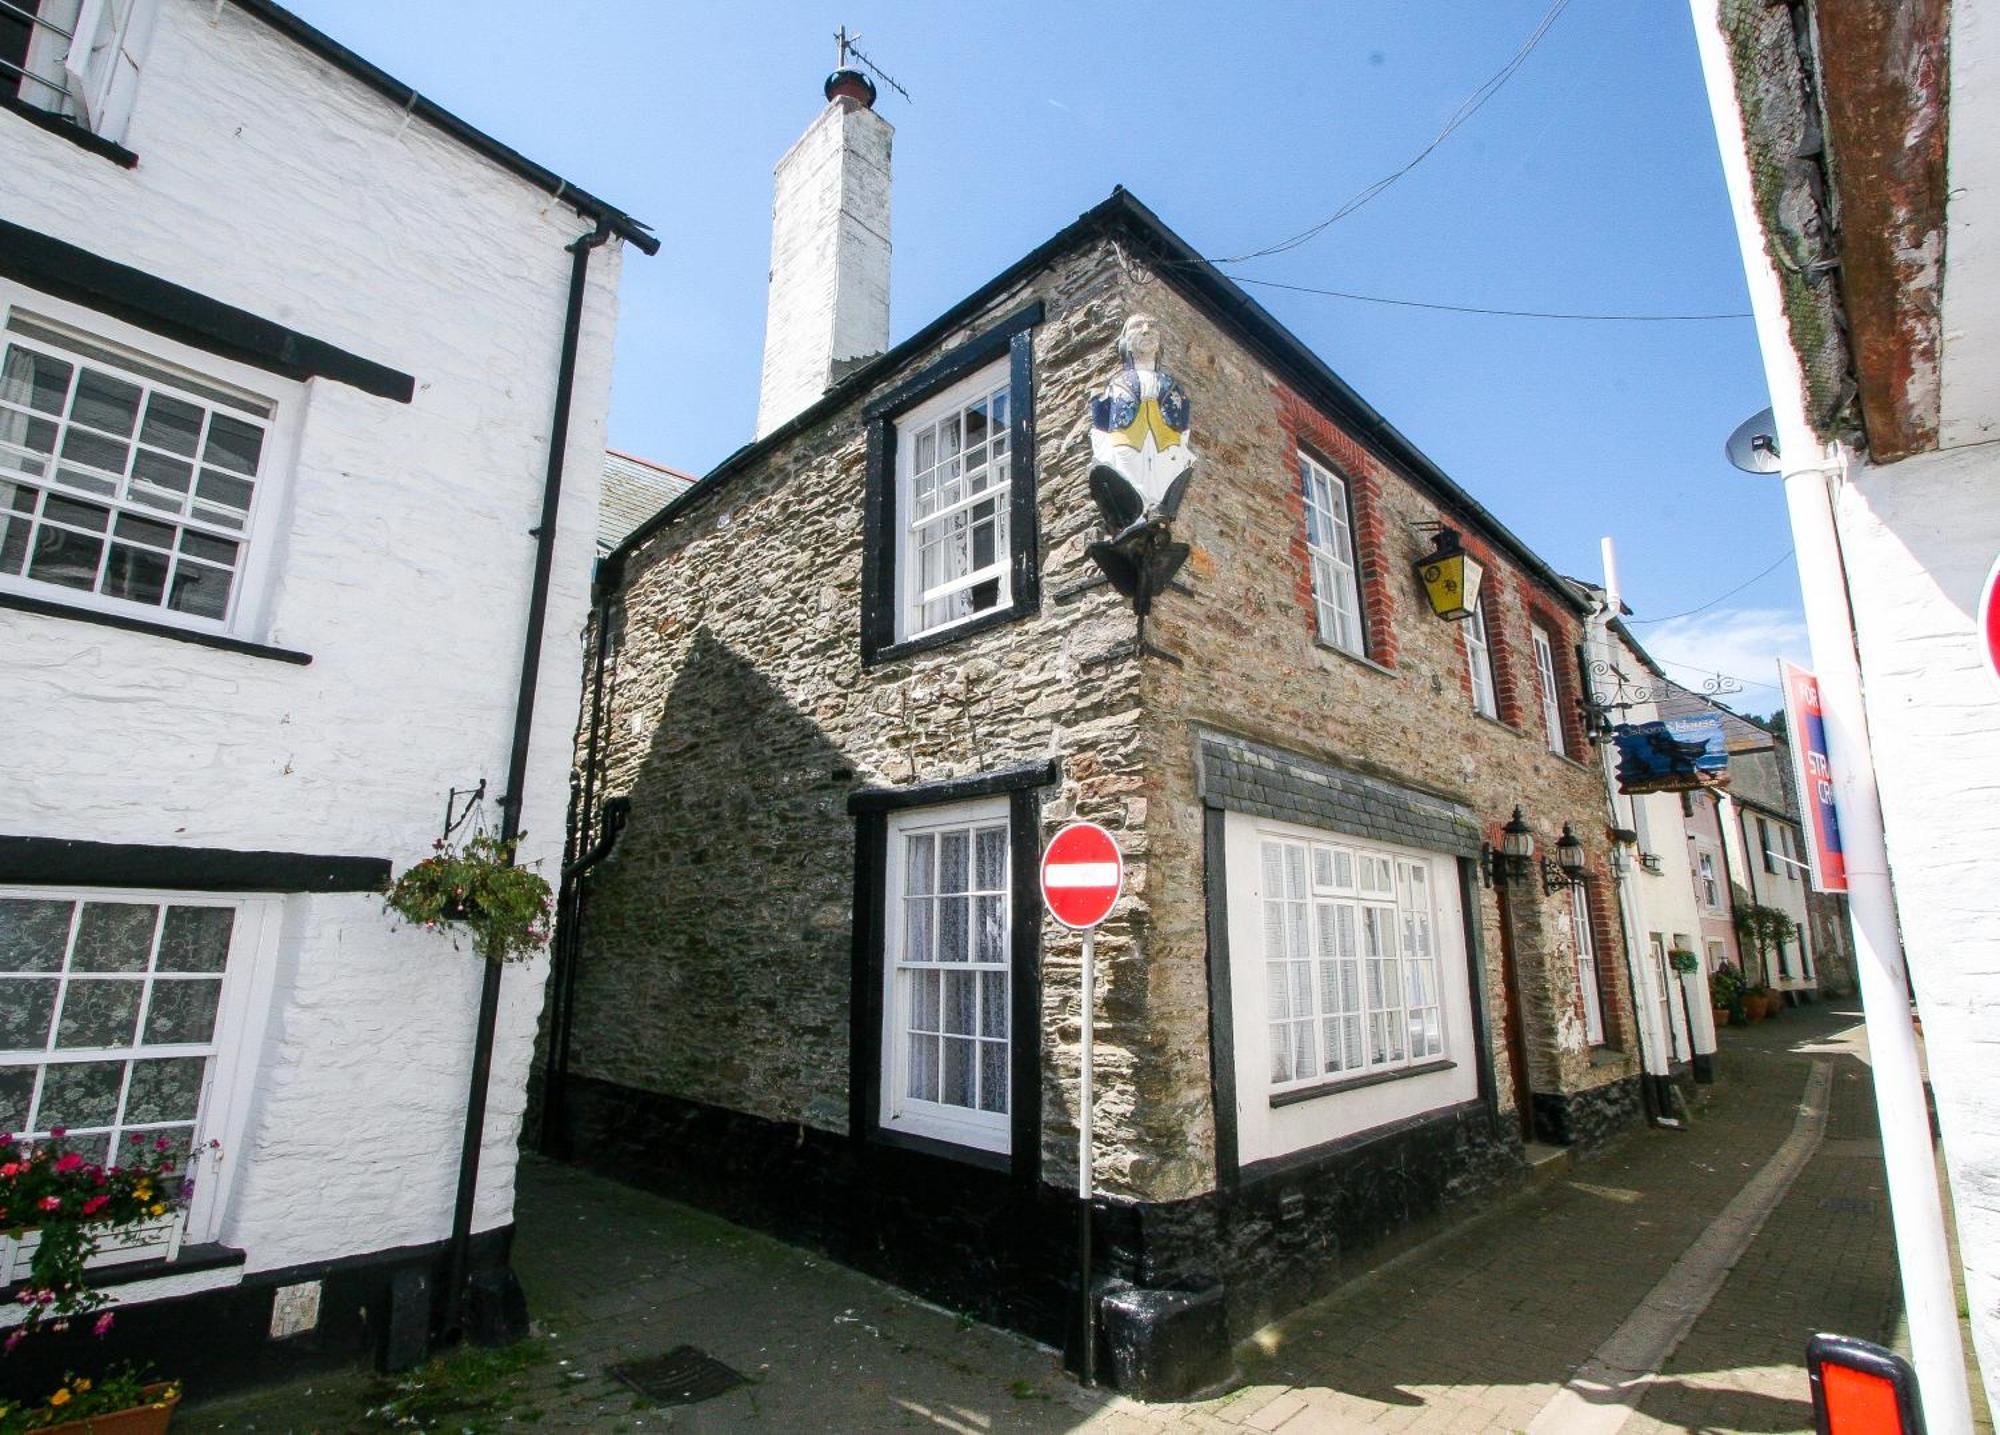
[1590, 1119]
[989, 1244]
[220, 1341]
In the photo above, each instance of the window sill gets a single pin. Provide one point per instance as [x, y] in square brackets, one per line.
[193, 1259]
[43, 607]
[1369, 663]
[70, 130]
[944, 637]
[1355, 1083]
[1000, 1161]
[1602, 1056]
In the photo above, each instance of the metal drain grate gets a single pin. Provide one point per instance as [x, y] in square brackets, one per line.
[1848, 1205]
[683, 1376]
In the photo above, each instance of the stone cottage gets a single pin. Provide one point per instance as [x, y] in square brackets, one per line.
[854, 678]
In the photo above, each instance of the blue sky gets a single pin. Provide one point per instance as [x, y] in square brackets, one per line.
[1589, 183]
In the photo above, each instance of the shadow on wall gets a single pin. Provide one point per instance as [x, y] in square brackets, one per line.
[715, 955]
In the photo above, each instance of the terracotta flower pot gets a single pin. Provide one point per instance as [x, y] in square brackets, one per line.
[152, 1419]
[1721, 1017]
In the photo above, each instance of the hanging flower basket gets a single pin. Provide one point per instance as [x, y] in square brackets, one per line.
[503, 907]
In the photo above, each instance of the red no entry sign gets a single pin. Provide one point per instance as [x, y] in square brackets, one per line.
[1989, 619]
[1082, 875]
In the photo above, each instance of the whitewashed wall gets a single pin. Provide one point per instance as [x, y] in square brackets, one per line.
[269, 180]
[1919, 538]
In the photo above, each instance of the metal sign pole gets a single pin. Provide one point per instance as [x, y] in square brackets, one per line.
[1086, 1111]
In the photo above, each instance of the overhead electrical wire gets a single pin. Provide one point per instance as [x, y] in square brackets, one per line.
[1629, 622]
[1476, 309]
[1467, 108]
[1715, 673]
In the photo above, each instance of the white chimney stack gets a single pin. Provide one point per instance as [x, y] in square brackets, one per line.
[829, 301]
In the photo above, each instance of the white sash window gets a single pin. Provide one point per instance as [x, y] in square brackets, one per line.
[1545, 682]
[1330, 547]
[1479, 663]
[76, 58]
[952, 470]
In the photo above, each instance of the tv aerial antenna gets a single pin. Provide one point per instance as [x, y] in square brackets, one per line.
[847, 49]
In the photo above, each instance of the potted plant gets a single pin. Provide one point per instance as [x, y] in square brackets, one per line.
[1726, 995]
[122, 1403]
[478, 886]
[56, 1208]
[1759, 1002]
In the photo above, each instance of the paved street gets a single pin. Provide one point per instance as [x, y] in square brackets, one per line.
[1668, 1286]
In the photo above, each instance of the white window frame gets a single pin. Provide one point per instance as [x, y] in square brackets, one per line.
[1586, 965]
[900, 1111]
[1356, 942]
[230, 1083]
[1709, 886]
[990, 383]
[1479, 662]
[1545, 680]
[202, 378]
[1330, 552]
[84, 60]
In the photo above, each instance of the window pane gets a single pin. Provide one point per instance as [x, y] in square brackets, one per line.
[953, 937]
[993, 1004]
[34, 381]
[95, 451]
[233, 444]
[953, 852]
[923, 1082]
[958, 1072]
[105, 402]
[992, 865]
[172, 424]
[196, 939]
[26, 1004]
[989, 929]
[136, 574]
[925, 989]
[17, 1088]
[33, 933]
[83, 1093]
[114, 937]
[992, 1076]
[167, 1090]
[99, 1014]
[200, 590]
[961, 1002]
[181, 1013]
[69, 559]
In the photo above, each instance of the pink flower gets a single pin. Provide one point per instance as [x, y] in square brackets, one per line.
[15, 1337]
[58, 1132]
[68, 1162]
[160, 1144]
[137, 1138]
[12, 1168]
[50, 1203]
[95, 1204]
[103, 1324]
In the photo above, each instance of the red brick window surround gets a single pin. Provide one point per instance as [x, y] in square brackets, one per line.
[1310, 437]
[1562, 653]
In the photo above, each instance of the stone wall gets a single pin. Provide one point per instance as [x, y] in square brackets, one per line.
[1242, 620]
[716, 965]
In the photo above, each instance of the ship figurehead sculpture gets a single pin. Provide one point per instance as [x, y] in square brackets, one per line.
[1140, 467]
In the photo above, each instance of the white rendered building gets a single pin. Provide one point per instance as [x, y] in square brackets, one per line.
[295, 367]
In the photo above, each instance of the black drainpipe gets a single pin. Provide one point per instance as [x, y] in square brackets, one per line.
[570, 901]
[451, 1323]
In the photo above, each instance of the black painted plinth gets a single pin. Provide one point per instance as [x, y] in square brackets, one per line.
[219, 1341]
[1004, 1249]
[1165, 1344]
[1589, 1119]
[1704, 1067]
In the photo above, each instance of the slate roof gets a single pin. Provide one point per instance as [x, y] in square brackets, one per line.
[634, 490]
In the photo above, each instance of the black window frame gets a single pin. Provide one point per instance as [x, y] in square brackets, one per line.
[1013, 339]
[871, 808]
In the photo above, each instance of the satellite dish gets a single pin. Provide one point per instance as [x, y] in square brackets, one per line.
[1754, 446]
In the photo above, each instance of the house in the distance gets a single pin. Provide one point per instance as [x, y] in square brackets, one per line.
[634, 490]
[1368, 963]
[293, 542]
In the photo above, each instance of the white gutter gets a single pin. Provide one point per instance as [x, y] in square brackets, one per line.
[1810, 471]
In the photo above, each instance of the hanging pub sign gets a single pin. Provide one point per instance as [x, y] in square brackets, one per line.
[1813, 772]
[1677, 755]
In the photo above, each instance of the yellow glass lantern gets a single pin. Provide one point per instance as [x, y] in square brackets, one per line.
[1451, 577]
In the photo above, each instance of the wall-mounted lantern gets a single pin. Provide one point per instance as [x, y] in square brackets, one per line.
[1567, 868]
[1510, 860]
[1450, 576]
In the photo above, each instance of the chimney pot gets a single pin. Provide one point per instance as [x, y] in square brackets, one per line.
[851, 85]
